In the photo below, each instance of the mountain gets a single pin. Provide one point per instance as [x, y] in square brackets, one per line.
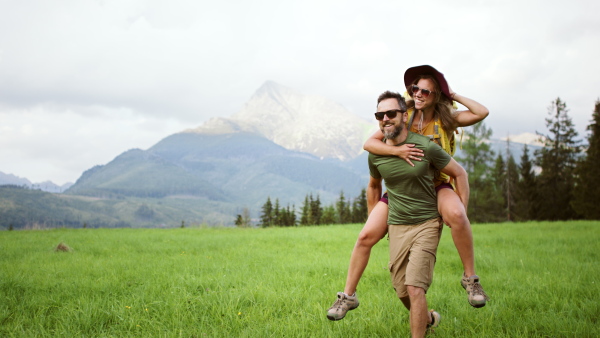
[10, 179]
[530, 139]
[515, 146]
[239, 169]
[281, 144]
[306, 123]
[48, 186]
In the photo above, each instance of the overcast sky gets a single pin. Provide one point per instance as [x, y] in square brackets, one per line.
[82, 81]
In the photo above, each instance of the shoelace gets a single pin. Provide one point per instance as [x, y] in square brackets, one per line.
[478, 290]
[339, 302]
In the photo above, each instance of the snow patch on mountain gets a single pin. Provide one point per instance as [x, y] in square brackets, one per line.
[525, 138]
[306, 123]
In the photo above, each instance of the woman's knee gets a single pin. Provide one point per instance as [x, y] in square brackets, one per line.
[452, 209]
[456, 218]
[368, 238]
[456, 214]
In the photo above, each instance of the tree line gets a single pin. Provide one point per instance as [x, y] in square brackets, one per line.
[556, 182]
[312, 212]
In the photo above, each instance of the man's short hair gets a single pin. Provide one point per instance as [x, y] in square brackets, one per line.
[392, 95]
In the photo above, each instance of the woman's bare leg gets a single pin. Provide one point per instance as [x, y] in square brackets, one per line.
[454, 214]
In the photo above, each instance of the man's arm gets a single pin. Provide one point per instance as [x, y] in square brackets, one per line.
[455, 170]
[374, 190]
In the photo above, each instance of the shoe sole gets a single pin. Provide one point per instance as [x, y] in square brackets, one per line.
[333, 318]
[477, 306]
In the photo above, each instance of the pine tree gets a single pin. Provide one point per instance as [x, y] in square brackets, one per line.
[291, 216]
[239, 221]
[477, 161]
[498, 200]
[328, 215]
[341, 209]
[316, 211]
[348, 212]
[359, 208]
[587, 180]
[266, 219]
[306, 217]
[557, 159]
[276, 213]
[526, 196]
[512, 180]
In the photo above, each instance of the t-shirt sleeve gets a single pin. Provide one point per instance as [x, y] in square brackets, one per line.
[373, 168]
[437, 156]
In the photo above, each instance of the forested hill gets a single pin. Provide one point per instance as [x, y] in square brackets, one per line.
[240, 168]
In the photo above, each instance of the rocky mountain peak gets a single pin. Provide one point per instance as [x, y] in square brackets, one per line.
[296, 121]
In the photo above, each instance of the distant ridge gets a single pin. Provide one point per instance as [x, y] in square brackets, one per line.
[48, 186]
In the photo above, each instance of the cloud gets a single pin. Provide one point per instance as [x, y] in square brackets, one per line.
[56, 141]
[174, 65]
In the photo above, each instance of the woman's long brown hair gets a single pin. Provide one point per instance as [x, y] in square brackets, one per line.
[443, 105]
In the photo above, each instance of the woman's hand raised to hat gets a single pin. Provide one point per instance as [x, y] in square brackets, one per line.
[452, 92]
[475, 111]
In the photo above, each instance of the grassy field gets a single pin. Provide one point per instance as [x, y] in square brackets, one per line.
[543, 279]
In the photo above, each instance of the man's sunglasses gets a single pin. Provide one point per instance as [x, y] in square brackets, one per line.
[425, 92]
[390, 114]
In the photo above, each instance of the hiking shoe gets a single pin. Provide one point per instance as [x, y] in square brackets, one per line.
[342, 305]
[435, 319]
[477, 297]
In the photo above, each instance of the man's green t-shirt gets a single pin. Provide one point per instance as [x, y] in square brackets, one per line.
[411, 192]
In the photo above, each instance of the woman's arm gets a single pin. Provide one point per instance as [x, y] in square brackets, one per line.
[475, 113]
[407, 152]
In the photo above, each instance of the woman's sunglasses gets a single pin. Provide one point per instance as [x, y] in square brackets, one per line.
[424, 92]
[390, 114]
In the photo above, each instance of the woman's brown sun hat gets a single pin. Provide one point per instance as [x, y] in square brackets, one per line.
[414, 72]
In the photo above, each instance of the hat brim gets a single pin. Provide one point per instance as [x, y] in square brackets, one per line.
[414, 72]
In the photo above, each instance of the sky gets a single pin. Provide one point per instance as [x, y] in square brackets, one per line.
[82, 81]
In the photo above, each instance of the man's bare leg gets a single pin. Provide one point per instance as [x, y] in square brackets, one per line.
[419, 317]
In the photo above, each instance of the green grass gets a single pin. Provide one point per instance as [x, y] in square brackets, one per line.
[543, 279]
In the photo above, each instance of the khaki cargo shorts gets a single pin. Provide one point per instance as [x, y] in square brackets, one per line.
[412, 254]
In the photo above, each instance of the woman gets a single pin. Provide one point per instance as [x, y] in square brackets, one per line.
[431, 113]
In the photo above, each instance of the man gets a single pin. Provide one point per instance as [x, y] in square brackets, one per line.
[414, 224]
[432, 113]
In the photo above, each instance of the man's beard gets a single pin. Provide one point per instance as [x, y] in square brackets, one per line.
[392, 134]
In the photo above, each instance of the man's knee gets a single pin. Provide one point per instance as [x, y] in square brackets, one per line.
[415, 291]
